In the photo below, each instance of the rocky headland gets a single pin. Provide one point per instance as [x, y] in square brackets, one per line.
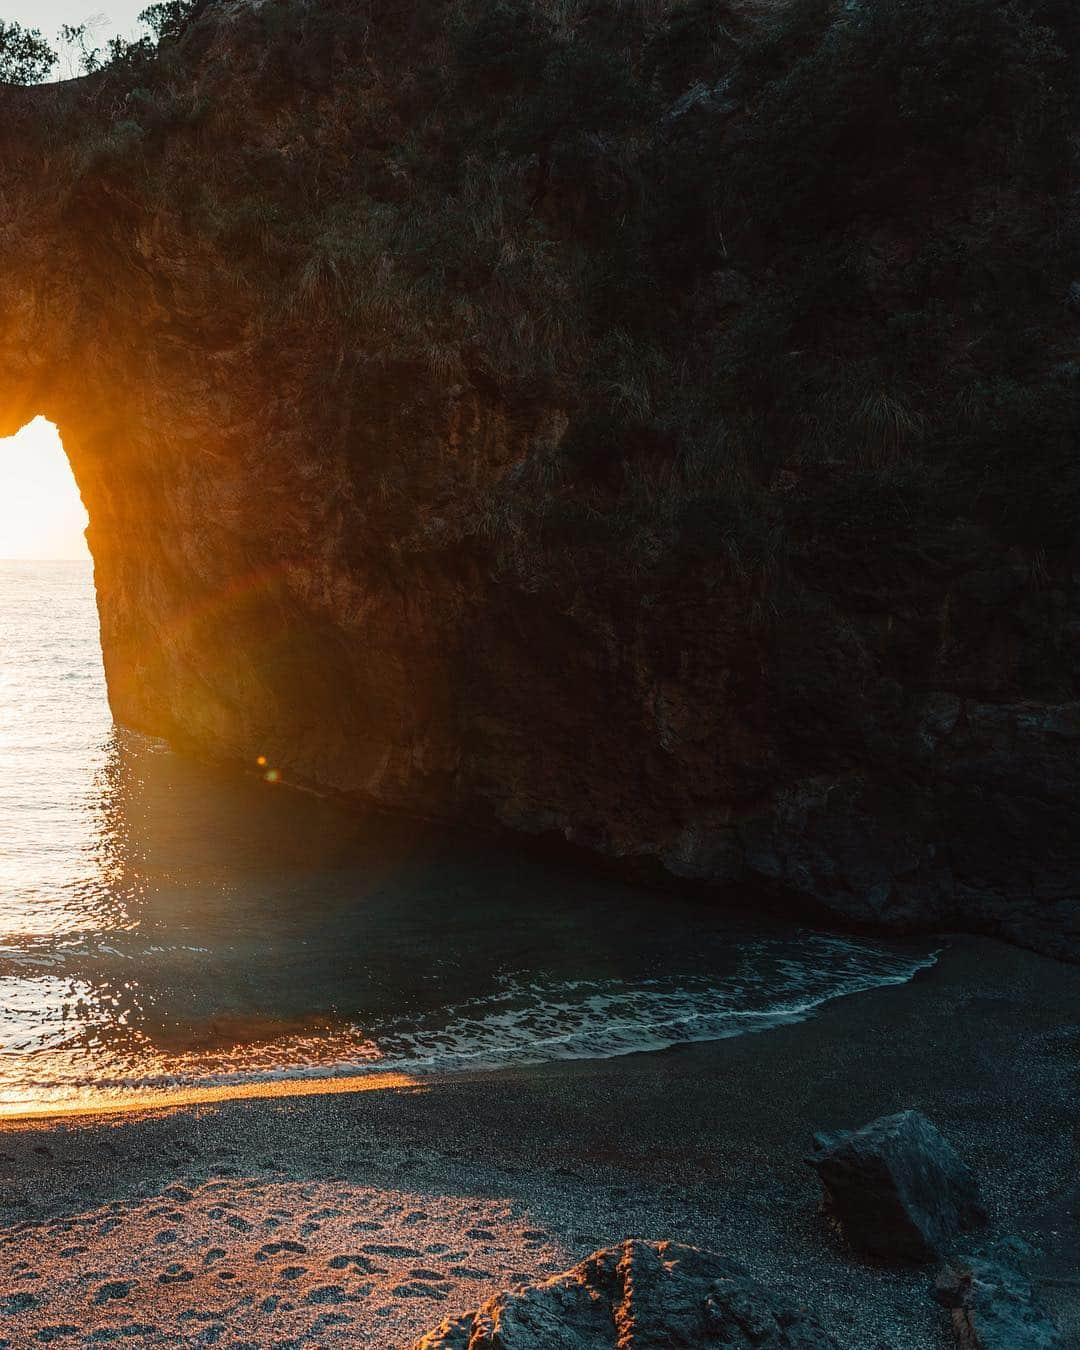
[647, 426]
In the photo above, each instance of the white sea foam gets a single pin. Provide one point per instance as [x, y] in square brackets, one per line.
[531, 1023]
[525, 1023]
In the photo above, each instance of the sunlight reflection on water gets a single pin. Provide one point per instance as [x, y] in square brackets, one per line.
[168, 926]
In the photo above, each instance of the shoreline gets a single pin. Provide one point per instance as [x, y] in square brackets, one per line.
[520, 1172]
[179, 1099]
[334, 1079]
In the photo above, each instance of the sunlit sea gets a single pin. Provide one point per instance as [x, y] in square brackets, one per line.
[166, 925]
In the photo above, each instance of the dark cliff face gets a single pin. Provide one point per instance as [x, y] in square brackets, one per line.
[652, 426]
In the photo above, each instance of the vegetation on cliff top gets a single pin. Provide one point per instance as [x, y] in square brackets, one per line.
[25, 56]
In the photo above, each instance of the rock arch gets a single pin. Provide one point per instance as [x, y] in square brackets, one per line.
[301, 541]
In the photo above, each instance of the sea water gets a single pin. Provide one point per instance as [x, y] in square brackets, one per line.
[167, 925]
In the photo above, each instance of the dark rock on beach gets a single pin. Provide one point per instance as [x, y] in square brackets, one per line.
[1053, 1263]
[994, 1306]
[897, 1187]
[636, 1296]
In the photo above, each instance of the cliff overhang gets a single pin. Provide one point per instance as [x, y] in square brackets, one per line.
[543, 424]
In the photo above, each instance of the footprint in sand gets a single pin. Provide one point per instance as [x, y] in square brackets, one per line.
[326, 1293]
[13, 1303]
[270, 1249]
[419, 1290]
[175, 1274]
[113, 1289]
[388, 1249]
[292, 1272]
[362, 1263]
[330, 1319]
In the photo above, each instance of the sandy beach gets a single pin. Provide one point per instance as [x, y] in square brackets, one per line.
[364, 1218]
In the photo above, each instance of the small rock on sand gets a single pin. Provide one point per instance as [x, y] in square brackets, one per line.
[897, 1187]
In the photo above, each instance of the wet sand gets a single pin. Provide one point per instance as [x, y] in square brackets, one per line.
[364, 1218]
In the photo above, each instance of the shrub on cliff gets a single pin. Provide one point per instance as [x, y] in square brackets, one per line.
[168, 19]
[25, 56]
[893, 103]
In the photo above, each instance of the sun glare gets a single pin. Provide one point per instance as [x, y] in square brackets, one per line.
[41, 512]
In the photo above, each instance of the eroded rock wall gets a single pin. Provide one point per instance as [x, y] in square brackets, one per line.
[306, 547]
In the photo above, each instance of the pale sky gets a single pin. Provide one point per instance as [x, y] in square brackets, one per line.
[107, 18]
[41, 513]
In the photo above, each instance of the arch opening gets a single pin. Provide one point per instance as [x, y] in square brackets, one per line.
[55, 723]
[42, 516]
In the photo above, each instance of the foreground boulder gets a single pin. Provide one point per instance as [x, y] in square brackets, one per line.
[1053, 1261]
[897, 1187]
[636, 1296]
[993, 1304]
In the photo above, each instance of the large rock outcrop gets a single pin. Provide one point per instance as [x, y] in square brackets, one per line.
[637, 1296]
[442, 451]
[992, 1303]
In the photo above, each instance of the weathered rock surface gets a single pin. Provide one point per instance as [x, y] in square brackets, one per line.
[307, 460]
[993, 1304]
[1053, 1262]
[897, 1188]
[637, 1296]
